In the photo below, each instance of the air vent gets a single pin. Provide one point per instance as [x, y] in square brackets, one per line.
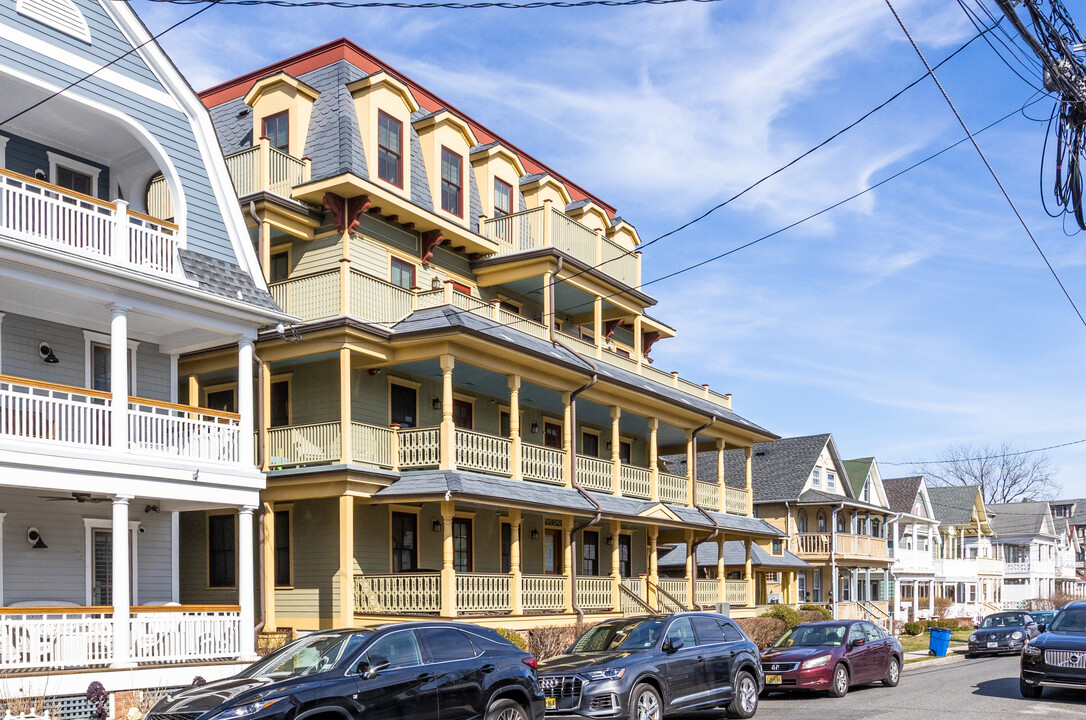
[60, 15]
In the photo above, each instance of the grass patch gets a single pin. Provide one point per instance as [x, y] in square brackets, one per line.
[917, 643]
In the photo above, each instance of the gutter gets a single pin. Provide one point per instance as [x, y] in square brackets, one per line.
[261, 569]
[716, 525]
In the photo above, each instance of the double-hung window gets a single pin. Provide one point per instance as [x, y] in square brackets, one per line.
[277, 129]
[452, 182]
[389, 149]
[503, 198]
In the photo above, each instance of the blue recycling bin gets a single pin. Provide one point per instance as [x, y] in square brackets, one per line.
[939, 642]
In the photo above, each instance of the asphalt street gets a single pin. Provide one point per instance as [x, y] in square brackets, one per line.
[978, 689]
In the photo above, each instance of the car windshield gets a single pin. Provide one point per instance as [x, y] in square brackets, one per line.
[812, 636]
[1043, 617]
[1003, 621]
[1070, 620]
[619, 635]
[311, 654]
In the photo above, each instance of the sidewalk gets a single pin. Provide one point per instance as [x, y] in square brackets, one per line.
[921, 657]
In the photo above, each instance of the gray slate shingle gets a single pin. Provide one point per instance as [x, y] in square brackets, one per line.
[901, 492]
[334, 141]
[224, 279]
[1021, 519]
[953, 505]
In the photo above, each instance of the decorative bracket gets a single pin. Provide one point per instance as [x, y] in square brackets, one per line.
[345, 213]
[610, 326]
[649, 339]
[430, 240]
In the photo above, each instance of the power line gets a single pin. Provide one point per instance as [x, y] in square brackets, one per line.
[988, 165]
[986, 457]
[103, 67]
[348, 4]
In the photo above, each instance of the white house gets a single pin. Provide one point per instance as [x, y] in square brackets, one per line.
[915, 537]
[97, 301]
[1038, 555]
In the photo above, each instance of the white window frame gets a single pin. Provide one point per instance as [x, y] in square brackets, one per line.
[816, 477]
[831, 480]
[57, 160]
[90, 337]
[92, 524]
[3, 153]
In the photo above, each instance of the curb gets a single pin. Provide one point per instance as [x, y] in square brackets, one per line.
[949, 659]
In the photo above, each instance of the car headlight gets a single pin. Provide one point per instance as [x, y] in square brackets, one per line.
[1032, 650]
[1017, 635]
[242, 711]
[973, 637]
[819, 661]
[608, 674]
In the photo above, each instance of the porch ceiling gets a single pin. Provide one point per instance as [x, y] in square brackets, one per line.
[567, 297]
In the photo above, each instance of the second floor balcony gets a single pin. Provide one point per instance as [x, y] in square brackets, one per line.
[844, 545]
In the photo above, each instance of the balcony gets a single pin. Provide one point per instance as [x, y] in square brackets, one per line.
[548, 227]
[77, 417]
[319, 296]
[848, 546]
[41, 639]
[52, 217]
[1029, 567]
[400, 449]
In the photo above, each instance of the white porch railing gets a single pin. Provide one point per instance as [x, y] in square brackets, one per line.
[636, 481]
[596, 593]
[158, 428]
[58, 413]
[373, 445]
[420, 447]
[543, 464]
[706, 592]
[673, 488]
[303, 444]
[173, 637]
[594, 473]
[543, 592]
[479, 592]
[45, 214]
[709, 495]
[735, 500]
[735, 592]
[403, 593]
[483, 452]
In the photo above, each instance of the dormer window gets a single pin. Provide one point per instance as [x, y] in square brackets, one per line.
[452, 173]
[389, 149]
[277, 129]
[831, 480]
[816, 477]
[503, 198]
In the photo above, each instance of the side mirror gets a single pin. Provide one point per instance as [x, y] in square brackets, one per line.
[859, 642]
[1043, 627]
[673, 644]
[369, 670]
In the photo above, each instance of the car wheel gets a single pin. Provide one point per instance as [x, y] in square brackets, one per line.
[839, 686]
[506, 709]
[1029, 691]
[645, 703]
[745, 702]
[893, 673]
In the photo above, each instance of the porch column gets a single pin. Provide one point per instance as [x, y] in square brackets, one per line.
[691, 570]
[448, 430]
[122, 617]
[616, 442]
[720, 475]
[267, 523]
[118, 374]
[639, 341]
[931, 597]
[516, 599]
[567, 437]
[2, 515]
[346, 561]
[448, 570]
[246, 424]
[246, 581]
[548, 292]
[175, 558]
[597, 322]
[721, 571]
[194, 390]
[654, 567]
[748, 453]
[916, 599]
[568, 559]
[264, 462]
[264, 246]
[691, 458]
[654, 460]
[346, 447]
[616, 564]
[514, 428]
[748, 574]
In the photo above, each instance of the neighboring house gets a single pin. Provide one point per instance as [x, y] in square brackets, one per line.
[914, 539]
[773, 570]
[802, 487]
[1027, 540]
[1074, 511]
[429, 447]
[1068, 581]
[968, 570]
[98, 299]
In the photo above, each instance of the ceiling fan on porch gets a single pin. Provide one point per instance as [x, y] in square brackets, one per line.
[78, 497]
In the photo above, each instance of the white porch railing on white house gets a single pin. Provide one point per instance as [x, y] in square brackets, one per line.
[50, 216]
[158, 428]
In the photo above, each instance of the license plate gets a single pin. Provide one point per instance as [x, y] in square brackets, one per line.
[552, 703]
[993, 644]
[772, 679]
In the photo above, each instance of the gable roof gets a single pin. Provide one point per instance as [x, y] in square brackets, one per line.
[858, 470]
[953, 504]
[780, 469]
[1021, 519]
[901, 492]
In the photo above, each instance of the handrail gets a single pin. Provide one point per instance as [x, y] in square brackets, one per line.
[55, 386]
[183, 408]
[183, 608]
[153, 219]
[58, 189]
[628, 593]
[62, 610]
[665, 593]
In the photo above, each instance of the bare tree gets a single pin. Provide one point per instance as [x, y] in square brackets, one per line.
[1003, 473]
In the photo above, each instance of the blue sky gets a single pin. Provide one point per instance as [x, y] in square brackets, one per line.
[916, 316]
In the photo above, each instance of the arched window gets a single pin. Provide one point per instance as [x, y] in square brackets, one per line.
[821, 521]
[876, 531]
[801, 520]
[842, 521]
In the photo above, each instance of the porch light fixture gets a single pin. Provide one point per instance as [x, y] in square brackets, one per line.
[611, 540]
[34, 538]
[534, 534]
[437, 526]
[435, 402]
[45, 352]
[534, 427]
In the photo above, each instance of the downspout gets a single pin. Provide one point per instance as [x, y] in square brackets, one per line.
[261, 570]
[710, 518]
[573, 465]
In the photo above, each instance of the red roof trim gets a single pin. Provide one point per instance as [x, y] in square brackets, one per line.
[344, 49]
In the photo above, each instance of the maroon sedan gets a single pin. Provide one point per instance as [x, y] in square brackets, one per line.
[832, 656]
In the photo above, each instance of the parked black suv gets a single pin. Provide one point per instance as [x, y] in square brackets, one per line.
[645, 667]
[408, 671]
[1057, 658]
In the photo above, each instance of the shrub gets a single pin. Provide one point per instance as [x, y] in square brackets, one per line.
[942, 605]
[514, 637]
[785, 614]
[913, 628]
[546, 642]
[949, 623]
[823, 612]
[763, 631]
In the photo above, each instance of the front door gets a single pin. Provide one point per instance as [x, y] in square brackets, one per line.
[552, 552]
[102, 567]
[685, 666]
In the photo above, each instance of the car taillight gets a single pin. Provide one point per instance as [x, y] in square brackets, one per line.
[531, 662]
